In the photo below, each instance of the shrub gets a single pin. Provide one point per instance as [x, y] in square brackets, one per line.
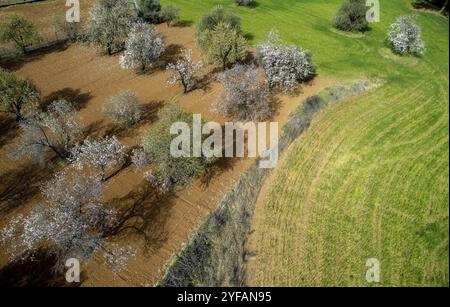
[404, 36]
[16, 94]
[143, 47]
[170, 14]
[184, 70]
[352, 17]
[169, 171]
[216, 16]
[123, 109]
[149, 10]
[70, 30]
[245, 2]
[246, 94]
[284, 65]
[110, 24]
[223, 45]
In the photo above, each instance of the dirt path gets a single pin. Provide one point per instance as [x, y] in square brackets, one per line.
[79, 74]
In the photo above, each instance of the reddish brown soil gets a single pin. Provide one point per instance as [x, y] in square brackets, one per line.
[87, 78]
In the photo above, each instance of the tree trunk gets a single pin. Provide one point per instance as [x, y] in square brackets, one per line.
[444, 7]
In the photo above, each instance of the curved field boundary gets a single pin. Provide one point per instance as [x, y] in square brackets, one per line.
[216, 255]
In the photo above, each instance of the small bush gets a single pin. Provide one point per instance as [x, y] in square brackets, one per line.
[404, 36]
[245, 2]
[352, 17]
[149, 10]
[124, 109]
[170, 14]
[216, 16]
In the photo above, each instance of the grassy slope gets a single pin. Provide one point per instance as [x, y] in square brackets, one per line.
[370, 178]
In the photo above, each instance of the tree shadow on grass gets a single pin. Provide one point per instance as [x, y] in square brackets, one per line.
[36, 272]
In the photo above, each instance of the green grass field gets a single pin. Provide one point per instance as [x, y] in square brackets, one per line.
[370, 179]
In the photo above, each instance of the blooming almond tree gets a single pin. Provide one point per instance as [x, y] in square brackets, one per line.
[284, 65]
[246, 94]
[102, 154]
[143, 47]
[404, 36]
[73, 222]
[124, 109]
[53, 131]
[109, 24]
[184, 70]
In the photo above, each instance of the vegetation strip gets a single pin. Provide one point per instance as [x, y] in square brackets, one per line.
[216, 255]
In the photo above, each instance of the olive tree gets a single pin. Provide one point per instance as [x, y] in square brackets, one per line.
[123, 109]
[351, 17]
[246, 94]
[143, 47]
[284, 65]
[103, 154]
[170, 14]
[404, 36]
[18, 30]
[184, 70]
[223, 45]
[73, 222]
[169, 171]
[54, 131]
[218, 15]
[149, 10]
[110, 24]
[16, 94]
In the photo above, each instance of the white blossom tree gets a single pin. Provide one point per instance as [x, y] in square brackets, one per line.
[110, 24]
[143, 47]
[53, 131]
[404, 36]
[124, 109]
[184, 70]
[73, 222]
[246, 94]
[140, 158]
[102, 154]
[284, 65]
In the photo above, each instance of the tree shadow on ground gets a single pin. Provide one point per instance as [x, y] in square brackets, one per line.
[74, 96]
[19, 61]
[20, 185]
[36, 272]
[144, 213]
[8, 129]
